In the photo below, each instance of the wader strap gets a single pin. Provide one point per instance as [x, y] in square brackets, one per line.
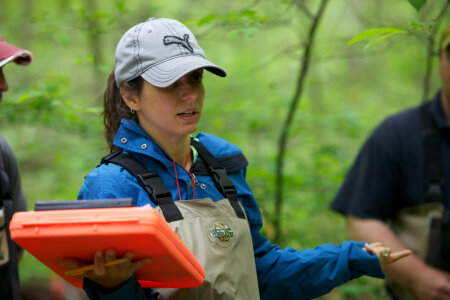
[7, 203]
[434, 173]
[231, 163]
[149, 181]
[219, 175]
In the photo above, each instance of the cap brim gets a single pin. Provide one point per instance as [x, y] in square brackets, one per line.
[10, 53]
[168, 72]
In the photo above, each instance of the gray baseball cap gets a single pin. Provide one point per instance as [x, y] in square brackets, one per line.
[161, 51]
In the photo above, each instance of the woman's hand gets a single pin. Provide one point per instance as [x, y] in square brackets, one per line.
[384, 253]
[108, 277]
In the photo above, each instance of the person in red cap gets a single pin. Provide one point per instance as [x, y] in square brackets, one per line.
[12, 198]
[10, 53]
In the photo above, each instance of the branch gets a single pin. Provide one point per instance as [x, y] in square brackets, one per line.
[431, 53]
[287, 123]
[304, 8]
[287, 51]
[203, 34]
[444, 9]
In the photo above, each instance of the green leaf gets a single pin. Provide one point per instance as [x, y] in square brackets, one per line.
[417, 3]
[376, 32]
[120, 5]
[249, 31]
[251, 14]
[206, 19]
[233, 34]
[379, 39]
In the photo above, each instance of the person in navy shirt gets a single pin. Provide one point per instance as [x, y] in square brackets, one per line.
[388, 185]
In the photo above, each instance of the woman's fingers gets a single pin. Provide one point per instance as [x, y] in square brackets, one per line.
[384, 253]
[72, 263]
[134, 265]
[99, 263]
[129, 256]
[110, 255]
[376, 248]
[398, 255]
[140, 263]
[106, 267]
[376, 244]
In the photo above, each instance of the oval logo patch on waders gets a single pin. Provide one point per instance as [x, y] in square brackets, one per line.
[221, 234]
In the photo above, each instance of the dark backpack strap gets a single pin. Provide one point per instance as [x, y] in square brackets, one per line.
[219, 175]
[7, 203]
[434, 174]
[231, 163]
[149, 181]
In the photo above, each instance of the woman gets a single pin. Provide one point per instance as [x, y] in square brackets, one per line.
[153, 103]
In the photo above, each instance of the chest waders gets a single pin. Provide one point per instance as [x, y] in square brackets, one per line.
[422, 228]
[216, 232]
[9, 271]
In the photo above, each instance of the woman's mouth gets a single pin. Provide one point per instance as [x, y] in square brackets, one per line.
[187, 113]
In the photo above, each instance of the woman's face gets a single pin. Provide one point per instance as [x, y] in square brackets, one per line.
[174, 111]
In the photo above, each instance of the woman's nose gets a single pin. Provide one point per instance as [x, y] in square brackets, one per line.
[188, 92]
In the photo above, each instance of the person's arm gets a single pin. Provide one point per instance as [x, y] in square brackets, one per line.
[426, 282]
[304, 274]
[12, 170]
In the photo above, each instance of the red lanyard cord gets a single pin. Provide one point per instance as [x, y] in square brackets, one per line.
[190, 174]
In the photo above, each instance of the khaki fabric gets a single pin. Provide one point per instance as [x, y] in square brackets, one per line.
[222, 244]
[412, 227]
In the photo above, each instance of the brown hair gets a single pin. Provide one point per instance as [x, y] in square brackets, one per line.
[115, 108]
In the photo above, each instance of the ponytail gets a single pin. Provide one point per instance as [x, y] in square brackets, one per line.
[115, 108]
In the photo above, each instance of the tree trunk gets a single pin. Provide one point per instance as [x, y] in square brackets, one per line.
[290, 115]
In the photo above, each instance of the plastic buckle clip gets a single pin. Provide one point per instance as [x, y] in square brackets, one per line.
[154, 186]
[223, 183]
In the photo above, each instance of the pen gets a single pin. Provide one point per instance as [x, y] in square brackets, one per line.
[79, 271]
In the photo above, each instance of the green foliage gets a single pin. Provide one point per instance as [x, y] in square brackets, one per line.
[44, 104]
[52, 117]
[384, 32]
[247, 22]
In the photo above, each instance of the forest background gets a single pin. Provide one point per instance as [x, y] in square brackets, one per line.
[52, 114]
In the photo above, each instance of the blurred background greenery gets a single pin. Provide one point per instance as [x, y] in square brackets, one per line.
[52, 114]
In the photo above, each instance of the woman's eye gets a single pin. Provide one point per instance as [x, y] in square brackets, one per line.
[196, 77]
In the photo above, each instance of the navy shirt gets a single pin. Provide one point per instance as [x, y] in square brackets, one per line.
[389, 172]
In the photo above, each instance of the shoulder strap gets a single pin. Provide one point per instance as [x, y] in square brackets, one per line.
[149, 181]
[432, 140]
[7, 203]
[231, 163]
[219, 174]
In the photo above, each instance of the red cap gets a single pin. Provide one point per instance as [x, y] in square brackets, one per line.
[12, 53]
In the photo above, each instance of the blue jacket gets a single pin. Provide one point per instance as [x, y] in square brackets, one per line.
[285, 272]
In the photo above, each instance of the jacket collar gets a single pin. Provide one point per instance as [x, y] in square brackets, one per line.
[132, 138]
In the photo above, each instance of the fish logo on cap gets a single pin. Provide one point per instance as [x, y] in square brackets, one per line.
[170, 39]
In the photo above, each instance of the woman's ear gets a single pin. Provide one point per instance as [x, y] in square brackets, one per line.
[130, 97]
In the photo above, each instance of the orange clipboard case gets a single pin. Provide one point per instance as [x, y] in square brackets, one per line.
[78, 233]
